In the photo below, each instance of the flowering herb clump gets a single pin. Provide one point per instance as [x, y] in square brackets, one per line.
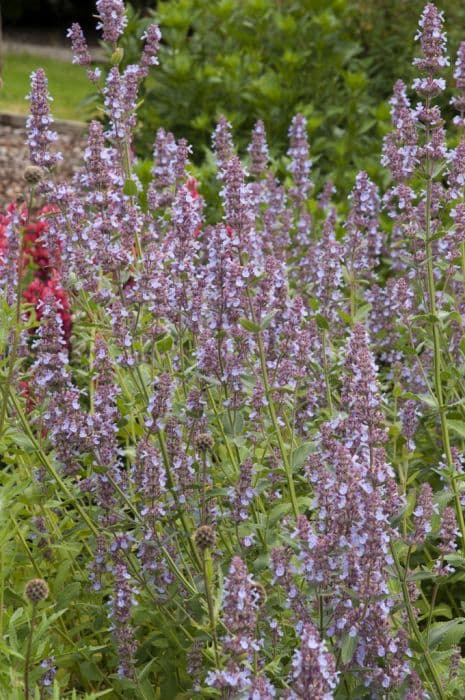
[233, 447]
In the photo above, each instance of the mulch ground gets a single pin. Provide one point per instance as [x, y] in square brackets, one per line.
[14, 156]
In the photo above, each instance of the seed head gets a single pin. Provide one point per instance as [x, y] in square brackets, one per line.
[33, 174]
[36, 590]
[205, 537]
[204, 442]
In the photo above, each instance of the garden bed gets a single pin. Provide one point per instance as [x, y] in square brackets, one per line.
[14, 154]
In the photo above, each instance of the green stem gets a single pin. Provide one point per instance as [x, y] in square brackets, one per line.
[437, 357]
[413, 623]
[28, 653]
[326, 371]
[171, 562]
[211, 608]
[274, 420]
[203, 503]
[49, 467]
[182, 515]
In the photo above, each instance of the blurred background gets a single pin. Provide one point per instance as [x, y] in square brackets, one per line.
[333, 60]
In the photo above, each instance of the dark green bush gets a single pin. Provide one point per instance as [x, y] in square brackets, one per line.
[262, 59]
[333, 60]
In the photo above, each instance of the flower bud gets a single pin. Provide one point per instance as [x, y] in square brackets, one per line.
[33, 174]
[205, 537]
[117, 56]
[204, 442]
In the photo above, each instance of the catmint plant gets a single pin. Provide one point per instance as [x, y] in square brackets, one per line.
[232, 430]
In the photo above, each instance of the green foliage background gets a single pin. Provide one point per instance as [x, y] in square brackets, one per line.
[333, 60]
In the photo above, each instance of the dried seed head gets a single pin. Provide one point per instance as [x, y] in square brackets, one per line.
[36, 590]
[258, 593]
[33, 174]
[205, 537]
[204, 442]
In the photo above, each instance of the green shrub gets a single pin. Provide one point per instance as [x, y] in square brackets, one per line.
[261, 59]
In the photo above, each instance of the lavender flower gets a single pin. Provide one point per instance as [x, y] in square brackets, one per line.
[422, 514]
[9, 256]
[112, 19]
[239, 608]
[258, 150]
[327, 275]
[459, 76]
[81, 54]
[222, 143]
[238, 208]
[415, 688]
[123, 600]
[242, 495]
[103, 421]
[400, 145]
[433, 44]
[361, 395]
[314, 667]
[409, 416]
[40, 135]
[49, 671]
[326, 194]
[50, 368]
[152, 38]
[433, 41]
[363, 240]
[150, 478]
[456, 176]
[448, 532]
[299, 167]
[300, 164]
[261, 689]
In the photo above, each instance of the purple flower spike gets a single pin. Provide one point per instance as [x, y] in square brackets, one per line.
[314, 667]
[433, 41]
[40, 136]
[300, 164]
[152, 38]
[81, 54]
[459, 77]
[258, 150]
[112, 18]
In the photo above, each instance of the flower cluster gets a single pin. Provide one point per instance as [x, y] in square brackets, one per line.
[248, 447]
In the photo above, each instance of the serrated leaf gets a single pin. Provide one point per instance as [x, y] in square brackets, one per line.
[447, 633]
[457, 426]
[300, 454]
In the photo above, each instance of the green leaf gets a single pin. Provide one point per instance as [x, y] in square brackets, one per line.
[267, 320]
[300, 454]
[249, 325]
[457, 426]
[130, 188]
[349, 645]
[447, 633]
[362, 312]
[278, 512]
[164, 344]
[321, 322]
